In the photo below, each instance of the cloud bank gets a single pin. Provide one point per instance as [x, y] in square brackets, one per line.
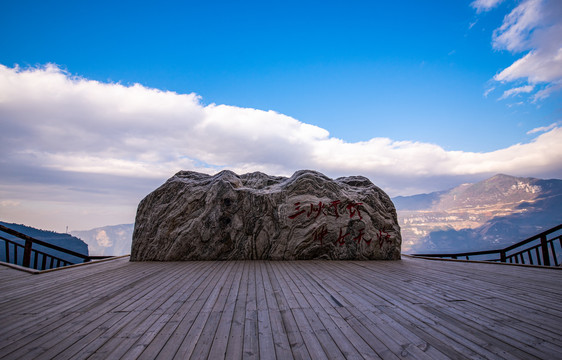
[85, 136]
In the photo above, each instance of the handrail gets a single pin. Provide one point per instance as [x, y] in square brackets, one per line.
[542, 255]
[53, 263]
[29, 241]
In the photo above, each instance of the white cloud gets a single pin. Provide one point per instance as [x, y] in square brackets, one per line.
[9, 203]
[542, 152]
[515, 104]
[485, 5]
[544, 93]
[515, 32]
[517, 90]
[80, 137]
[535, 67]
[488, 91]
[58, 122]
[544, 128]
[533, 27]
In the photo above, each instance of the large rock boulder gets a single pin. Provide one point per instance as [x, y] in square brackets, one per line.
[195, 216]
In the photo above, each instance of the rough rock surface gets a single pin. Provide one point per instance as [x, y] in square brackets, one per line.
[194, 216]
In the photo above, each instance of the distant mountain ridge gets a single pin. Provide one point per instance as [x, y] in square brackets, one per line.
[114, 240]
[497, 189]
[63, 240]
[489, 214]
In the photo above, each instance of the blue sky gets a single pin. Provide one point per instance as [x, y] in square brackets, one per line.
[453, 90]
[406, 70]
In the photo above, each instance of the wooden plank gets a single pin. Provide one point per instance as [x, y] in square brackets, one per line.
[34, 293]
[454, 334]
[163, 317]
[311, 341]
[339, 272]
[493, 274]
[513, 341]
[406, 346]
[52, 304]
[280, 339]
[327, 324]
[179, 339]
[117, 335]
[251, 346]
[265, 334]
[214, 338]
[219, 343]
[150, 310]
[235, 343]
[290, 327]
[309, 309]
[420, 289]
[326, 301]
[204, 325]
[459, 325]
[496, 316]
[54, 325]
[518, 301]
[308, 322]
[442, 292]
[170, 335]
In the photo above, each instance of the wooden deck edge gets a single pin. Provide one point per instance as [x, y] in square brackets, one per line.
[36, 272]
[20, 268]
[484, 262]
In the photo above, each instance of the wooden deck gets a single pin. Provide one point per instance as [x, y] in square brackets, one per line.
[414, 308]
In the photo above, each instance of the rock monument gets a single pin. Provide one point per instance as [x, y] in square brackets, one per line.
[195, 216]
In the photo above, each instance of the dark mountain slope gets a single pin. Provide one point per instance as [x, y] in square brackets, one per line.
[63, 240]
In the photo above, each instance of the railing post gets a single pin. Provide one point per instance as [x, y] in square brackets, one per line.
[8, 251]
[27, 253]
[544, 248]
[553, 253]
[502, 256]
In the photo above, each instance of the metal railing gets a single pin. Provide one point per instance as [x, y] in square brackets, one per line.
[34, 258]
[542, 252]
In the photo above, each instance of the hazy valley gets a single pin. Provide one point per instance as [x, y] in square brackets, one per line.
[489, 214]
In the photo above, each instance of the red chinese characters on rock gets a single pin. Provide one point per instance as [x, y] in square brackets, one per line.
[341, 238]
[298, 211]
[332, 209]
[354, 209]
[383, 238]
[359, 237]
[324, 209]
[320, 233]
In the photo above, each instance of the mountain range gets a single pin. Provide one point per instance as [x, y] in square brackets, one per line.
[490, 214]
[108, 240]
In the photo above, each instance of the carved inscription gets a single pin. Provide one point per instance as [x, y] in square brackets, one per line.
[336, 209]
